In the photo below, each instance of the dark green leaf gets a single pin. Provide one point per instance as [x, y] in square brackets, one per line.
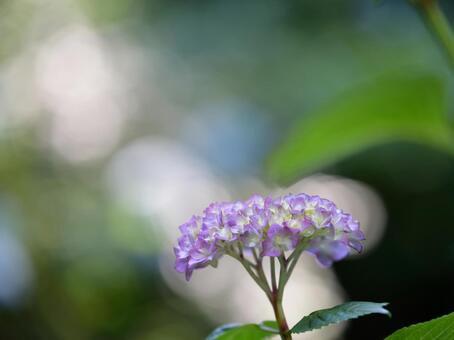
[440, 329]
[346, 311]
[244, 331]
[397, 108]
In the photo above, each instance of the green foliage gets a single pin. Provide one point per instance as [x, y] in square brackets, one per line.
[343, 312]
[393, 108]
[441, 328]
[244, 332]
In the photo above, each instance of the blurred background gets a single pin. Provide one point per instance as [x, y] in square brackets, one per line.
[120, 119]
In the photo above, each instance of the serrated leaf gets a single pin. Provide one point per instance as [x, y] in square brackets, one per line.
[392, 108]
[251, 331]
[441, 329]
[343, 312]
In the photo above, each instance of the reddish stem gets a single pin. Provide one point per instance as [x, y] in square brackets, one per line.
[276, 301]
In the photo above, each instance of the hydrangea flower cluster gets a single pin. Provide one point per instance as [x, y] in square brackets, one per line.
[263, 226]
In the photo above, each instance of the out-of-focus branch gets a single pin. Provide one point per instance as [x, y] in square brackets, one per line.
[439, 25]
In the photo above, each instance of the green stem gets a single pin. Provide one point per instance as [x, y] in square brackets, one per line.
[261, 273]
[439, 25]
[249, 268]
[295, 257]
[257, 279]
[273, 274]
[280, 316]
[282, 276]
[275, 294]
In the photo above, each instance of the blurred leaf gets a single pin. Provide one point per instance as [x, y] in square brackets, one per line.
[397, 108]
[244, 332]
[270, 326]
[16, 19]
[343, 312]
[107, 11]
[441, 328]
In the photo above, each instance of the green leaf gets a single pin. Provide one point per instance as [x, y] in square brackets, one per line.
[397, 108]
[245, 331]
[269, 326]
[440, 329]
[343, 312]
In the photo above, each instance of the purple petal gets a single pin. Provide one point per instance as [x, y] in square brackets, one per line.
[181, 265]
[324, 260]
[337, 250]
[188, 274]
[269, 249]
[270, 226]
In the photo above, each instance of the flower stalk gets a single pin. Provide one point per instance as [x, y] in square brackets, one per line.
[280, 317]
[274, 294]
